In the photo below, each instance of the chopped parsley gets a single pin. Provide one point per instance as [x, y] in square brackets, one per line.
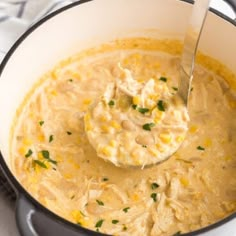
[143, 110]
[177, 233]
[175, 88]
[148, 126]
[41, 122]
[200, 148]
[46, 155]
[40, 163]
[29, 153]
[82, 213]
[70, 80]
[111, 103]
[115, 221]
[99, 202]
[50, 138]
[144, 146]
[154, 186]
[191, 89]
[99, 223]
[154, 197]
[134, 106]
[68, 132]
[164, 79]
[160, 105]
[126, 209]
[124, 227]
[105, 179]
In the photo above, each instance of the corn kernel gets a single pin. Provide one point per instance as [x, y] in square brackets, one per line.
[87, 117]
[41, 138]
[106, 151]
[87, 101]
[53, 92]
[160, 147]
[153, 152]
[67, 175]
[105, 128]
[22, 150]
[113, 143]
[115, 125]
[193, 129]
[136, 100]
[165, 138]
[208, 142]
[40, 156]
[103, 118]
[78, 217]
[184, 182]
[135, 197]
[180, 138]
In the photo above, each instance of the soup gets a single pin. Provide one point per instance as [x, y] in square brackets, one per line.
[53, 159]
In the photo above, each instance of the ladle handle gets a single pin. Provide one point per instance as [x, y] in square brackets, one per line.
[191, 40]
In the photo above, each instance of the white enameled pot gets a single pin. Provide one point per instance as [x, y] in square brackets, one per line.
[79, 26]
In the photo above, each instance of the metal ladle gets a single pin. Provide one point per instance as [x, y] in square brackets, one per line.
[191, 40]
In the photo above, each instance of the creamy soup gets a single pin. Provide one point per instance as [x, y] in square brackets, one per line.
[55, 162]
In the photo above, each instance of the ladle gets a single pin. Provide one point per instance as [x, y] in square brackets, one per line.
[143, 149]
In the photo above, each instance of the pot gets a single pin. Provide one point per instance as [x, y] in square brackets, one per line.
[78, 26]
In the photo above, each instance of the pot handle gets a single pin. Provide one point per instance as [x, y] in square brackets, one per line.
[32, 221]
[24, 214]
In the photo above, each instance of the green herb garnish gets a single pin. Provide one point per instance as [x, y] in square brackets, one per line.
[41, 122]
[99, 224]
[126, 209]
[143, 110]
[124, 227]
[100, 203]
[134, 106]
[177, 233]
[200, 148]
[105, 179]
[29, 153]
[111, 103]
[82, 213]
[175, 88]
[154, 197]
[68, 132]
[40, 163]
[71, 80]
[191, 89]
[164, 79]
[144, 146]
[46, 155]
[154, 186]
[148, 126]
[115, 221]
[50, 138]
[160, 105]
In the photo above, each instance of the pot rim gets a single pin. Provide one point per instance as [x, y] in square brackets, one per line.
[19, 189]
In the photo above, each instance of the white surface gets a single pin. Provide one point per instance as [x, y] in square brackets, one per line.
[7, 221]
